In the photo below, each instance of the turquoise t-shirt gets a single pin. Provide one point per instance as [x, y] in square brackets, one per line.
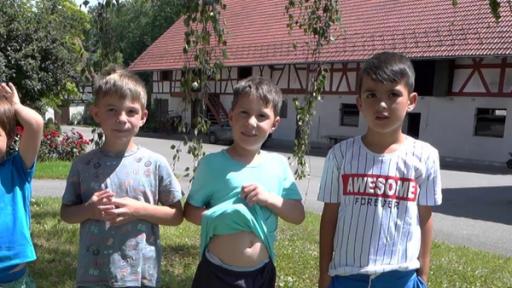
[217, 185]
[15, 193]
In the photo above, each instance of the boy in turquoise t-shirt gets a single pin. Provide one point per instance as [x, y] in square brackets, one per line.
[238, 193]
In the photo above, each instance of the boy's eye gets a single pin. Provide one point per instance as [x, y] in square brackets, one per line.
[395, 94]
[262, 116]
[370, 95]
[132, 112]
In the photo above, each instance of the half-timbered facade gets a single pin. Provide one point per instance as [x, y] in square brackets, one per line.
[462, 57]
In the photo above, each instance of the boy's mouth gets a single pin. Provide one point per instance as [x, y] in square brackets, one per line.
[381, 116]
[248, 134]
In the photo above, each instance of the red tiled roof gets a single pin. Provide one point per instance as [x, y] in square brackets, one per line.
[257, 33]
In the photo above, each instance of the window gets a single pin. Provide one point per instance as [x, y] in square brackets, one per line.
[283, 113]
[490, 122]
[424, 80]
[349, 115]
[165, 75]
[244, 72]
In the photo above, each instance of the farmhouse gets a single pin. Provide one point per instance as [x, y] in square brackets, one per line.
[462, 57]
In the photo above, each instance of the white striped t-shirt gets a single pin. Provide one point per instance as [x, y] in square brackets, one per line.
[378, 226]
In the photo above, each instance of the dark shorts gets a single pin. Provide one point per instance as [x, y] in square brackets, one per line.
[209, 274]
[391, 279]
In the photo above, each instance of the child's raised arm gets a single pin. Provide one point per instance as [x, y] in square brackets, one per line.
[31, 121]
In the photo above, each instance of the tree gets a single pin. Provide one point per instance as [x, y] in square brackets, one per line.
[40, 44]
[122, 30]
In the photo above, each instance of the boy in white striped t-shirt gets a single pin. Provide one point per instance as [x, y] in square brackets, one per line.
[378, 189]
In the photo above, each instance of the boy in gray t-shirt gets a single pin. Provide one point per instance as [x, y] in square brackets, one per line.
[114, 192]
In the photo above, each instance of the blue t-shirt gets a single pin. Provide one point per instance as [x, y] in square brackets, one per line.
[15, 193]
[217, 185]
[127, 254]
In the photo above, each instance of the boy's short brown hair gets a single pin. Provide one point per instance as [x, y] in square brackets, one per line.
[261, 88]
[8, 120]
[117, 81]
[388, 67]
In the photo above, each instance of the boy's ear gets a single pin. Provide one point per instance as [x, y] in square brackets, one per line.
[358, 102]
[143, 117]
[413, 99]
[230, 117]
[93, 110]
[276, 123]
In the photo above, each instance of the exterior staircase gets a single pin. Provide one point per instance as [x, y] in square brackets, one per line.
[216, 113]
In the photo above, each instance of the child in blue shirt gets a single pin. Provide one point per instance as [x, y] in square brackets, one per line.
[16, 170]
[238, 194]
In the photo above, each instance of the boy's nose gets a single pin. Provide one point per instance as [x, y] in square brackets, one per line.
[252, 121]
[121, 118]
[382, 104]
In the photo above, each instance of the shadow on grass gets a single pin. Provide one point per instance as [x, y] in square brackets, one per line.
[481, 203]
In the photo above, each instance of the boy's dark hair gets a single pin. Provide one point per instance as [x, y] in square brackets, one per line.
[388, 67]
[117, 81]
[8, 120]
[261, 88]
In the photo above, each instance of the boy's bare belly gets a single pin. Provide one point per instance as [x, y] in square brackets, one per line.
[242, 249]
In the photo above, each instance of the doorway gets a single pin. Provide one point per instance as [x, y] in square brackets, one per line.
[412, 124]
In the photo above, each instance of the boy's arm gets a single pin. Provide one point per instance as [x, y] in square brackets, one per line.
[425, 215]
[289, 210]
[193, 214]
[128, 209]
[32, 124]
[328, 224]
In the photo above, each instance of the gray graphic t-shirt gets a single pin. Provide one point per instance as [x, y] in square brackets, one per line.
[128, 254]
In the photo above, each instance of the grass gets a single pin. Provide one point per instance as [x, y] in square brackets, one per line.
[297, 248]
[52, 170]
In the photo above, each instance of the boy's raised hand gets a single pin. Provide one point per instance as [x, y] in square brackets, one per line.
[99, 205]
[254, 194]
[8, 91]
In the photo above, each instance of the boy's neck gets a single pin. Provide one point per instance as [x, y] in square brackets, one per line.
[243, 155]
[113, 148]
[382, 143]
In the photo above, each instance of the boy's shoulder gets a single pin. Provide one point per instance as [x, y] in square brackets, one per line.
[84, 157]
[214, 156]
[420, 145]
[348, 143]
[150, 154]
[272, 157]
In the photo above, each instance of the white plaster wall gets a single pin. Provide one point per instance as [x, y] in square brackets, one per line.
[448, 124]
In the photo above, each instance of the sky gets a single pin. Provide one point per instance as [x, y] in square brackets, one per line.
[91, 2]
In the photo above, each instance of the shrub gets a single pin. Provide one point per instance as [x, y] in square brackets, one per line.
[62, 146]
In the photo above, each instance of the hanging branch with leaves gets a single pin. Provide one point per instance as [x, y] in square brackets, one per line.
[494, 5]
[319, 20]
[205, 51]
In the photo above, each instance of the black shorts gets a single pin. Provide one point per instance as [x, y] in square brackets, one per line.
[209, 274]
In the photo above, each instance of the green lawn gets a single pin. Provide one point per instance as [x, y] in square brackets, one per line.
[297, 249]
[52, 169]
